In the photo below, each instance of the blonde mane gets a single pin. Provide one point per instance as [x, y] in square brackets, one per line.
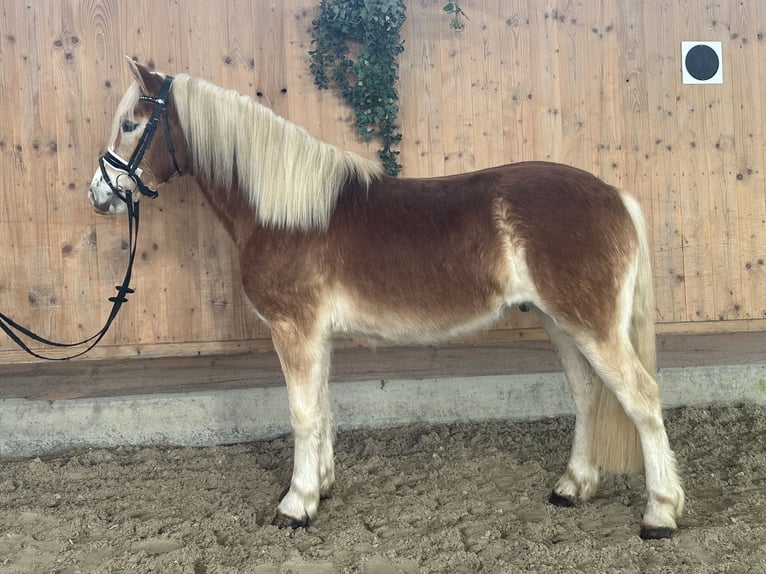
[291, 179]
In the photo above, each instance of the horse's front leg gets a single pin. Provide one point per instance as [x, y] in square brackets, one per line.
[305, 359]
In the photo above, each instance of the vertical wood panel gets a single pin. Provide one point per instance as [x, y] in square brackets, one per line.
[747, 98]
[662, 80]
[515, 85]
[457, 104]
[596, 85]
[577, 102]
[546, 71]
[422, 151]
[719, 138]
[485, 82]
[754, 176]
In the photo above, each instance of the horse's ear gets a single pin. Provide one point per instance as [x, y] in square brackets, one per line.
[141, 74]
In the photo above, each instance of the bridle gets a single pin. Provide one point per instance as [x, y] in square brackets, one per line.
[131, 170]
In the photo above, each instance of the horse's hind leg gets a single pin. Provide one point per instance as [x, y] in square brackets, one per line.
[581, 478]
[616, 362]
[305, 362]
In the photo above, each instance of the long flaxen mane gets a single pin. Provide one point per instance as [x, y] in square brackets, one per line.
[290, 178]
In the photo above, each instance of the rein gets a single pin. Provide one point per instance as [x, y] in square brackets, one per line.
[14, 330]
[131, 170]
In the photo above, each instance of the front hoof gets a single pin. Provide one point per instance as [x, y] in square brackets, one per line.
[656, 533]
[561, 500]
[284, 521]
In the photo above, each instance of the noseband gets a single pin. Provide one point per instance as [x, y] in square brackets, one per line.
[130, 168]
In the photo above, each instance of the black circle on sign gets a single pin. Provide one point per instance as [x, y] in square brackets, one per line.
[702, 62]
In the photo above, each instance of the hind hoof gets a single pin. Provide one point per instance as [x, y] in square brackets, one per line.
[561, 501]
[656, 533]
[284, 521]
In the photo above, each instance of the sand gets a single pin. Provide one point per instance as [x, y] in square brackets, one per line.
[422, 498]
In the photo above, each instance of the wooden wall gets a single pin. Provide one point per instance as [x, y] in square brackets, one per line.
[592, 84]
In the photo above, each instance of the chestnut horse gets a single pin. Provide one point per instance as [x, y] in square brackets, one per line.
[329, 244]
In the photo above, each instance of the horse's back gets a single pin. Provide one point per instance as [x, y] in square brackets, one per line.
[552, 209]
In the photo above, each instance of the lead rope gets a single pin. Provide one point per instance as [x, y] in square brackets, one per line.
[15, 331]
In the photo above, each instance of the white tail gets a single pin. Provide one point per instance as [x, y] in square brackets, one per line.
[615, 444]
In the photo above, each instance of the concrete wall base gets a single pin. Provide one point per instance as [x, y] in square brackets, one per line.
[34, 428]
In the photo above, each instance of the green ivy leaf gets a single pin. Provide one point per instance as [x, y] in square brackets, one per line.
[368, 80]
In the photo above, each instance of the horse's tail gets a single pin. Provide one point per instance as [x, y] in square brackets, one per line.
[615, 443]
[642, 323]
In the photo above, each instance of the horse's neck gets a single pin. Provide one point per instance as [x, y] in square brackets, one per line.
[232, 208]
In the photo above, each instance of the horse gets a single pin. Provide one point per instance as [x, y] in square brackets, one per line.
[329, 244]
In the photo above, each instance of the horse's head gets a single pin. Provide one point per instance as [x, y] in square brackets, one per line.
[146, 147]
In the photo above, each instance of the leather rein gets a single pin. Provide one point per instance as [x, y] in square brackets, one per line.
[131, 170]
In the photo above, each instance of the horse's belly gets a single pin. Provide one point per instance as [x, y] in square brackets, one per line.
[410, 321]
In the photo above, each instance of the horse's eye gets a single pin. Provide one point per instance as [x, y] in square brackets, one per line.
[128, 126]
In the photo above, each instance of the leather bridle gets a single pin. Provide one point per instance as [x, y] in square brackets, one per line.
[130, 168]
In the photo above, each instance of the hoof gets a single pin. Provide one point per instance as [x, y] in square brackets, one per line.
[561, 501]
[659, 533]
[284, 521]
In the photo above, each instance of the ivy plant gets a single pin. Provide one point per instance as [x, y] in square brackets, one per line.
[356, 48]
[456, 20]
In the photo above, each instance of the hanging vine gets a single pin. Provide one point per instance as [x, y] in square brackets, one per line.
[356, 48]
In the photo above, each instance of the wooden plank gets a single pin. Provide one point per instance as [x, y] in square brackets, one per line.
[598, 70]
[744, 29]
[719, 135]
[483, 36]
[457, 105]
[302, 95]
[634, 101]
[516, 83]
[12, 169]
[757, 271]
[422, 150]
[79, 379]
[547, 70]
[666, 201]
[579, 111]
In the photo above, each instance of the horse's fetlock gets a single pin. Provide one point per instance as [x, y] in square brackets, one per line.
[578, 484]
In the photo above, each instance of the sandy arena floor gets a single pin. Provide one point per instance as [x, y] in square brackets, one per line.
[423, 498]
